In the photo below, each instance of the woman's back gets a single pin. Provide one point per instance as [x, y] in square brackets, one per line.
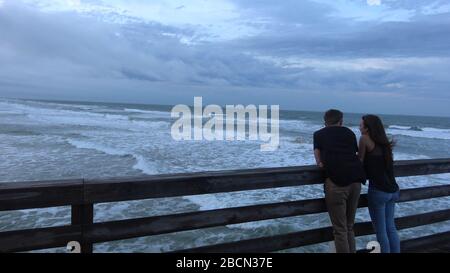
[380, 175]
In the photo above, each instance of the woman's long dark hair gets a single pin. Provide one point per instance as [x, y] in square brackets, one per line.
[377, 133]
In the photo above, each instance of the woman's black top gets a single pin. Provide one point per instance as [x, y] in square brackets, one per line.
[380, 175]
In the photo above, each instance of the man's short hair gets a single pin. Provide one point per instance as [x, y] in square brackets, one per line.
[333, 117]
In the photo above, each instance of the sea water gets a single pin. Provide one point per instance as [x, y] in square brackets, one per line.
[44, 140]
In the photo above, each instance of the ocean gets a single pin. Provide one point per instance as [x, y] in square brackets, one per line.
[48, 140]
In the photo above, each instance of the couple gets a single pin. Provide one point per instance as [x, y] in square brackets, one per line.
[347, 166]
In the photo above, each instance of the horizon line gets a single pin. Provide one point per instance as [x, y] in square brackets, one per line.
[170, 105]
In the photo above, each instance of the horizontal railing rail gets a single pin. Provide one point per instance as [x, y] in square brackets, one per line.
[82, 194]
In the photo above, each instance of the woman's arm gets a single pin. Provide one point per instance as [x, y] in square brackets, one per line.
[362, 147]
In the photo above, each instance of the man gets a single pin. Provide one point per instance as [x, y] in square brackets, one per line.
[335, 150]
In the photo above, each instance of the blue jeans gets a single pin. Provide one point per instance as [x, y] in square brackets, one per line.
[381, 209]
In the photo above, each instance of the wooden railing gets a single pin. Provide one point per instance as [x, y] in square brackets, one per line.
[82, 194]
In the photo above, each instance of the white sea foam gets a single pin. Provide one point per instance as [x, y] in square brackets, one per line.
[145, 165]
[406, 156]
[399, 127]
[142, 163]
[86, 118]
[299, 125]
[150, 112]
[135, 110]
[94, 146]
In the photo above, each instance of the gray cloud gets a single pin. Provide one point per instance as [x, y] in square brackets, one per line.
[74, 55]
[326, 35]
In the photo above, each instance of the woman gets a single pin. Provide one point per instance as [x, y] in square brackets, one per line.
[375, 150]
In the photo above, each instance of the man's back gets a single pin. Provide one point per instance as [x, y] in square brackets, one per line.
[338, 150]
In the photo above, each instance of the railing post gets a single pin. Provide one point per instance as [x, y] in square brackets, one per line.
[83, 215]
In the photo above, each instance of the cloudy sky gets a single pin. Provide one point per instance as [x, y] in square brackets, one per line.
[379, 56]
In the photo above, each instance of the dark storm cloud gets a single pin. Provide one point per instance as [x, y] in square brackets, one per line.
[325, 35]
[309, 47]
[66, 45]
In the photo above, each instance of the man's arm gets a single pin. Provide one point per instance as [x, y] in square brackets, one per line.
[318, 159]
[317, 145]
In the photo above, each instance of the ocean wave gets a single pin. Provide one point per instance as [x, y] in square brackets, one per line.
[299, 125]
[399, 127]
[86, 118]
[94, 146]
[142, 164]
[154, 113]
[151, 124]
[19, 132]
[414, 131]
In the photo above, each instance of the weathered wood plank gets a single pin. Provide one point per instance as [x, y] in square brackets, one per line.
[421, 167]
[436, 243]
[203, 183]
[229, 181]
[124, 229]
[314, 236]
[130, 228]
[26, 195]
[39, 238]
